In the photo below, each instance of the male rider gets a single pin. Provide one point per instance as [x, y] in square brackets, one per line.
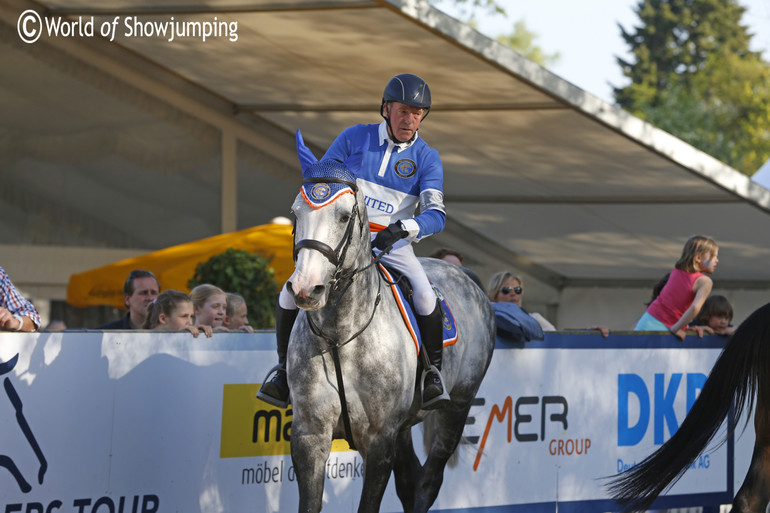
[399, 173]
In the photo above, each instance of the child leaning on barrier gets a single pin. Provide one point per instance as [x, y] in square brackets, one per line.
[717, 314]
[173, 310]
[210, 306]
[237, 314]
[686, 290]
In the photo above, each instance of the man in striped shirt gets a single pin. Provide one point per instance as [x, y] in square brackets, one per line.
[16, 313]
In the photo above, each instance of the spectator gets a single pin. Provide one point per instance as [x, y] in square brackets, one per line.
[210, 306]
[16, 313]
[237, 314]
[507, 287]
[456, 258]
[55, 325]
[686, 290]
[448, 255]
[717, 314]
[173, 311]
[658, 287]
[141, 289]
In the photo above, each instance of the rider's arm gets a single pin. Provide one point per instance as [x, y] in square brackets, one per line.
[432, 214]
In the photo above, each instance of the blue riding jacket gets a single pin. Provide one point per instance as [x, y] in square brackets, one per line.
[395, 179]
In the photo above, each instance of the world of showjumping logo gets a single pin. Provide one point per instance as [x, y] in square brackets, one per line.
[31, 26]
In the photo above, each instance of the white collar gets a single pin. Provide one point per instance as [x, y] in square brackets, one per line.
[385, 138]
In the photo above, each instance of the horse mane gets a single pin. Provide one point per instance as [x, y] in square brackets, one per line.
[739, 375]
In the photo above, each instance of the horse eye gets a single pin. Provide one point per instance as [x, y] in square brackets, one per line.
[344, 218]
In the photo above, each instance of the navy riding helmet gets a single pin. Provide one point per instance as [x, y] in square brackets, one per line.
[407, 89]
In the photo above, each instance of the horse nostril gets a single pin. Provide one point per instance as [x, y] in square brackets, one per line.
[318, 290]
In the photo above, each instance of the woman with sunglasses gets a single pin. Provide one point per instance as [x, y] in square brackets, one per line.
[505, 287]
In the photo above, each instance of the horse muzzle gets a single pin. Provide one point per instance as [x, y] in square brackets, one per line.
[308, 298]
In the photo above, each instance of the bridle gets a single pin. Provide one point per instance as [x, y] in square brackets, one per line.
[337, 255]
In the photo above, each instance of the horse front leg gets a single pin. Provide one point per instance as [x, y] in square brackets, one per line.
[378, 464]
[309, 453]
[406, 469]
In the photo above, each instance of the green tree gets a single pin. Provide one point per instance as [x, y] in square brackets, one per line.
[469, 8]
[523, 41]
[520, 39]
[694, 76]
[247, 274]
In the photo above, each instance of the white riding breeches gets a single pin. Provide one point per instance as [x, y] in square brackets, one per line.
[402, 259]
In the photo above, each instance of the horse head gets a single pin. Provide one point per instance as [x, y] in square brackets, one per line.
[329, 232]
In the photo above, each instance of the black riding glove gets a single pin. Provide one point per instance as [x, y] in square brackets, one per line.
[389, 236]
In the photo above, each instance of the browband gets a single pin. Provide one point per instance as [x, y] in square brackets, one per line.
[319, 179]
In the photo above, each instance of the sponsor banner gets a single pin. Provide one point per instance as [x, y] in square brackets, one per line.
[139, 422]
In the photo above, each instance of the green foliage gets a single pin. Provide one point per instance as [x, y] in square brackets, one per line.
[520, 39]
[694, 76]
[469, 8]
[523, 41]
[247, 274]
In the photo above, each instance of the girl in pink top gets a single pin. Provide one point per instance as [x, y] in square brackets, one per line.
[686, 290]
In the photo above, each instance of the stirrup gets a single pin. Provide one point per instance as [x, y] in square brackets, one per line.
[269, 399]
[440, 400]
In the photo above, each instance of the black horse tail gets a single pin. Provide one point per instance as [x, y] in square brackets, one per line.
[741, 371]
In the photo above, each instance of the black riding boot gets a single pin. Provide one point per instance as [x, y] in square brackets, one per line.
[276, 391]
[432, 332]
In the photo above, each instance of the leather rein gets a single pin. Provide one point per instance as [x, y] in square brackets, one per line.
[337, 257]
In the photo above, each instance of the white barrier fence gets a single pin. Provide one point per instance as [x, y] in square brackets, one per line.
[138, 422]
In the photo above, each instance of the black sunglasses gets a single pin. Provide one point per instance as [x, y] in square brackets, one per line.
[507, 290]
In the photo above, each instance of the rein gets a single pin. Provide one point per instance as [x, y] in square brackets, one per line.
[337, 257]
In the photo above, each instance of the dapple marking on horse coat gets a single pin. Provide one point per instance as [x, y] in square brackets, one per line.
[379, 366]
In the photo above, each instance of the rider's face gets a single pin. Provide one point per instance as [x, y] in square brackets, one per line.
[404, 120]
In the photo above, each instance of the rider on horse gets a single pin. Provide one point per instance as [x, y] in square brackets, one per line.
[400, 172]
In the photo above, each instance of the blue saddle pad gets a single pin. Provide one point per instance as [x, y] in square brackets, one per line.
[407, 314]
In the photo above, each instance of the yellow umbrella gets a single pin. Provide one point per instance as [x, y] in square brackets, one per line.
[175, 266]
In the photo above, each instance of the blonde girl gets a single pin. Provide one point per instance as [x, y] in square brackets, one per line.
[173, 310]
[686, 290]
[210, 306]
[237, 314]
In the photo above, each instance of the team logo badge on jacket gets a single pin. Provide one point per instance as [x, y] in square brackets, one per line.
[405, 168]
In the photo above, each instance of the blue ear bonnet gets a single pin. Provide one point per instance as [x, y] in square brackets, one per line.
[319, 192]
[326, 180]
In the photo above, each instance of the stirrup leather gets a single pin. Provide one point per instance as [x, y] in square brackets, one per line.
[269, 399]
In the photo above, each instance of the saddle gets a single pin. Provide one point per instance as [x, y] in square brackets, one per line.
[402, 291]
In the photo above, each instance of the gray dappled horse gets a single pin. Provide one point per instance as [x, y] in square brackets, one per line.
[348, 309]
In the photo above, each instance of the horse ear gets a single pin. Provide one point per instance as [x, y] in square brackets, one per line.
[306, 157]
[356, 159]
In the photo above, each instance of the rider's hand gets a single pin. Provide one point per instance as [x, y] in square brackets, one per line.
[389, 236]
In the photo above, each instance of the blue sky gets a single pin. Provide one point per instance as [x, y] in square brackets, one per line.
[587, 37]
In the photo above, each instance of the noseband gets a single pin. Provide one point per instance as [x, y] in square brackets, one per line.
[337, 255]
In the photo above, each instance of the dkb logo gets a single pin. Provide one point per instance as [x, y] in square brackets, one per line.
[5, 461]
[661, 406]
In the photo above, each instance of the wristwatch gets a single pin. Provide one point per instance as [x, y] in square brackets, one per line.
[20, 319]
